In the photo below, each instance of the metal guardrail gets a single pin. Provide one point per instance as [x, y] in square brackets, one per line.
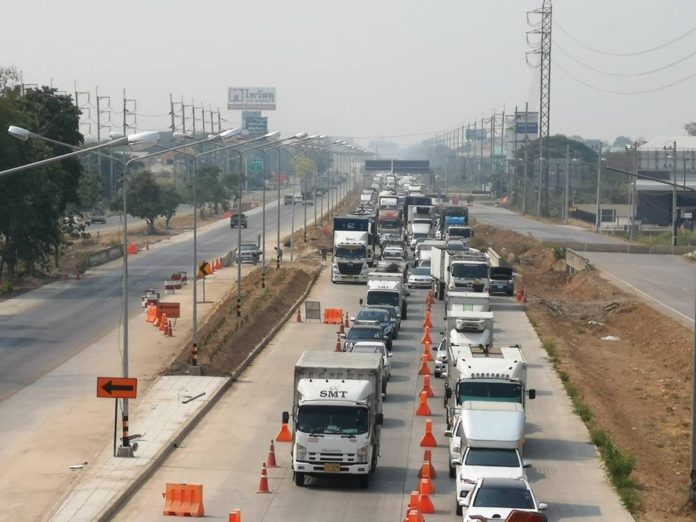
[575, 261]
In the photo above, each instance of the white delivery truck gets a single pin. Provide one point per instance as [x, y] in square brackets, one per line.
[351, 249]
[387, 289]
[468, 301]
[486, 440]
[468, 271]
[485, 374]
[337, 414]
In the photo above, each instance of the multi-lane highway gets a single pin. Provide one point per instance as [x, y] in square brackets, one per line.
[46, 327]
[225, 452]
[664, 280]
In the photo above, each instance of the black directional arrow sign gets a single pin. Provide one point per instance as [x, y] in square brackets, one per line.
[117, 387]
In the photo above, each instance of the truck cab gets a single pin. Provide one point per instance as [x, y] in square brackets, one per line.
[337, 413]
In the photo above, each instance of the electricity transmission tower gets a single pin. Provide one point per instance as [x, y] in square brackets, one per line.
[544, 51]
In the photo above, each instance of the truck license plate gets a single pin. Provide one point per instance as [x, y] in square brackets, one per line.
[332, 467]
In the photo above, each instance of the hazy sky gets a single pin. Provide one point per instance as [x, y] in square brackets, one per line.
[369, 69]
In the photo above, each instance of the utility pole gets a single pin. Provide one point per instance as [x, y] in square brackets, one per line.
[515, 171]
[492, 155]
[599, 182]
[502, 152]
[172, 126]
[524, 182]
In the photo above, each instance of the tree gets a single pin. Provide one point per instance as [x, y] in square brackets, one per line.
[170, 200]
[143, 198]
[690, 128]
[89, 189]
[304, 170]
[622, 141]
[210, 189]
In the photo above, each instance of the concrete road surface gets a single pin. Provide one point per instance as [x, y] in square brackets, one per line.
[663, 280]
[225, 452]
[44, 328]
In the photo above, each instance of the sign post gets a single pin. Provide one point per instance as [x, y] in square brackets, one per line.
[204, 269]
[117, 388]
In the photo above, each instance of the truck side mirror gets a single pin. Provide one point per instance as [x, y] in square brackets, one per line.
[361, 301]
[532, 394]
[448, 434]
[456, 458]
[286, 417]
[379, 418]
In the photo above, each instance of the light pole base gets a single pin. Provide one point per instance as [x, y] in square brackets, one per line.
[125, 452]
[194, 370]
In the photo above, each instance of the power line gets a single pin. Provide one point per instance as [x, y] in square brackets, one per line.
[627, 93]
[625, 75]
[634, 53]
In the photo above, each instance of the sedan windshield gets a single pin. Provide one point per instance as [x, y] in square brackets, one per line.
[355, 334]
[505, 458]
[373, 315]
[421, 271]
[504, 497]
[332, 420]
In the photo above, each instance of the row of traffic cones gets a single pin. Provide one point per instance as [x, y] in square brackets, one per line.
[164, 325]
[270, 463]
[420, 502]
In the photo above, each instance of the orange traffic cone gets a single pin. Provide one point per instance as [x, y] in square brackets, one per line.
[428, 440]
[263, 481]
[218, 264]
[429, 298]
[427, 320]
[171, 330]
[426, 336]
[426, 387]
[413, 508]
[341, 329]
[338, 342]
[426, 478]
[235, 516]
[284, 434]
[298, 318]
[424, 369]
[423, 409]
[166, 329]
[518, 294]
[163, 321]
[428, 351]
[271, 460]
[428, 457]
[346, 321]
[424, 502]
[524, 296]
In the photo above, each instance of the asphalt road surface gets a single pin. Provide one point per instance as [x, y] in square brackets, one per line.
[225, 451]
[668, 282]
[42, 329]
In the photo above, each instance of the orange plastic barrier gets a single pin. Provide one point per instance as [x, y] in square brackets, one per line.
[333, 315]
[162, 322]
[151, 314]
[132, 249]
[235, 516]
[183, 500]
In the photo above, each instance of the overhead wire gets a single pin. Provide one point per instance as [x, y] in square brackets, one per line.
[628, 93]
[633, 53]
[608, 73]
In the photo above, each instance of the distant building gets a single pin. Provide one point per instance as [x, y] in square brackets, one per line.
[656, 159]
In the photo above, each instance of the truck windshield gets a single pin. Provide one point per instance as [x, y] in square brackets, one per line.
[501, 273]
[351, 252]
[470, 271]
[488, 391]
[380, 297]
[505, 458]
[330, 420]
[459, 232]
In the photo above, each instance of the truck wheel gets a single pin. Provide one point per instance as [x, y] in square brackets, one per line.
[373, 464]
[404, 311]
[452, 471]
[458, 509]
[299, 478]
[364, 481]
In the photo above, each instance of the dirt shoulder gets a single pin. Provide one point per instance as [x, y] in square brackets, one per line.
[637, 387]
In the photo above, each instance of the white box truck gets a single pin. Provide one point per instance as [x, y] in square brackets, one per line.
[337, 414]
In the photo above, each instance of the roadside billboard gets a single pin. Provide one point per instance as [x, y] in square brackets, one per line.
[251, 98]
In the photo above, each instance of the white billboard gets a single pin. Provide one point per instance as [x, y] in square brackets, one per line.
[251, 98]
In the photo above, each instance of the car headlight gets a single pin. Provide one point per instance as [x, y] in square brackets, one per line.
[300, 452]
[362, 454]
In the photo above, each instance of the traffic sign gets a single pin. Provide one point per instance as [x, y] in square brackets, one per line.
[204, 269]
[255, 164]
[117, 387]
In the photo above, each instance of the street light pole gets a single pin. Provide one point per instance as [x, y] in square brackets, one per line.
[598, 218]
[565, 188]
